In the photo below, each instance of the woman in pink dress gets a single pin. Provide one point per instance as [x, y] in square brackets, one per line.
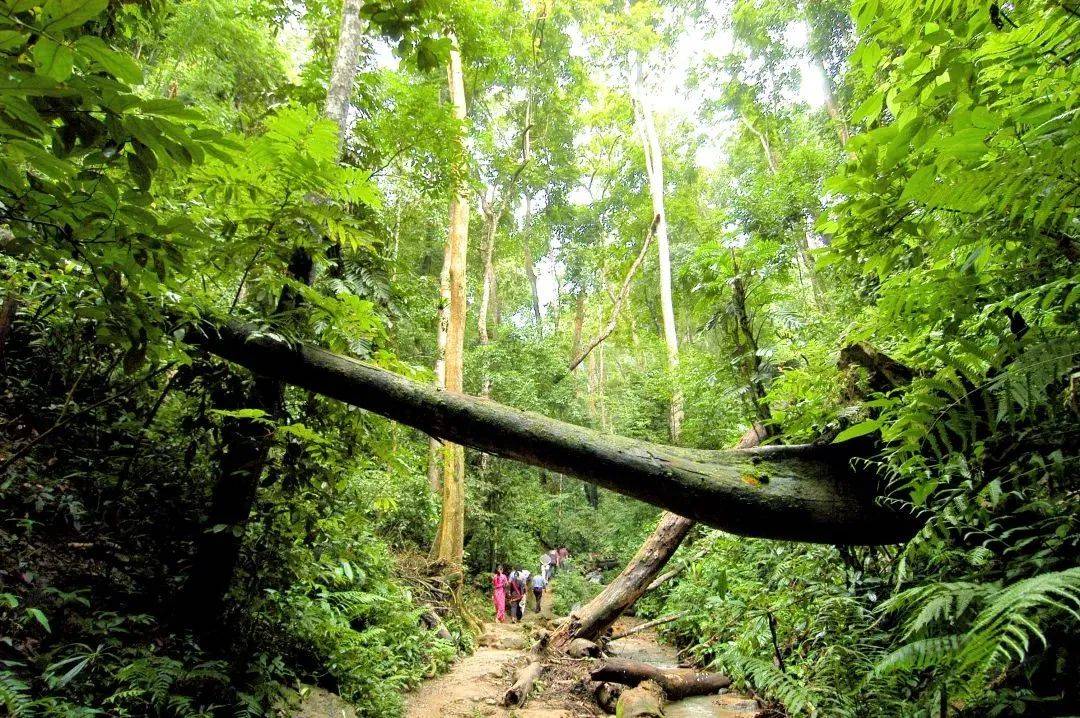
[500, 581]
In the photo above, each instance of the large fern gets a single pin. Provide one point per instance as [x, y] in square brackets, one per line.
[999, 626]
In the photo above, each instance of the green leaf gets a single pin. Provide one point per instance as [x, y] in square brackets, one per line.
[64, 14]
[11, 40]
[919, 184]
[870, 108]
[38, 616]
[53, 59]
[240, 413]
[861, 429]
[117, 64]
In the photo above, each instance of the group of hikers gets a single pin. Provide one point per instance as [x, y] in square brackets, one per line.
[512, 590]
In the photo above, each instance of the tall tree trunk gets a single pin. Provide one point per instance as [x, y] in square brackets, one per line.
[343, 73]
[241, 461]
[491, 226]
[579, 323]
[654, 167]
[245, 443]
[526, 249]
[749, 357]
[449, 544]
[7, 321]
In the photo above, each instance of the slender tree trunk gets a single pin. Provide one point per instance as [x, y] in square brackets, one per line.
[241, 461]
[831, 105]
[435, 447]
[766, 147]
[449, 543]
[343, 73]
[617, 304]
[491, 217]
[7, 322]
[579, 323]
[654, 167]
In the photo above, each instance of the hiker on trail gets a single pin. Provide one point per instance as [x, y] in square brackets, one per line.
[539, 583]
[546, 564]
[517, 595]
[499, 582]
[524, 575]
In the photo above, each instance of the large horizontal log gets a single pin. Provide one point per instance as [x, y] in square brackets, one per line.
[678, 683]
[800, 493]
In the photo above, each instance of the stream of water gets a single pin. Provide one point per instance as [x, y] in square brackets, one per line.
[647, 649]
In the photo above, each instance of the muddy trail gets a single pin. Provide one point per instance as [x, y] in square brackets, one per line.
[475, 685]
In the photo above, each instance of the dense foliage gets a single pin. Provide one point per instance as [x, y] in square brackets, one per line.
[890, 257]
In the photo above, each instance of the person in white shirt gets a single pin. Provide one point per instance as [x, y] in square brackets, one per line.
[539, 583]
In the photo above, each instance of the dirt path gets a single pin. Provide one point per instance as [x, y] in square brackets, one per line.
[474, 687]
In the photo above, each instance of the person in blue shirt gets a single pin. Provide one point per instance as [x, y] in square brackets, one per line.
[539, 583]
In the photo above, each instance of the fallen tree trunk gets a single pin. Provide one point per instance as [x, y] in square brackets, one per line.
[799, 493]
[519, 692]
[648, 624]
[591, 620]
[677, 683]
[644, 701]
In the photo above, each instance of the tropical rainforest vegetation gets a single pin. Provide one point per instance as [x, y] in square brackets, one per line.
[850, 228]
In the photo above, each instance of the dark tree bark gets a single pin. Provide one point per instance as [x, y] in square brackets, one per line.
[7, 321]
[677, 683]
[241, 460]
[883, 372]
[799, 493]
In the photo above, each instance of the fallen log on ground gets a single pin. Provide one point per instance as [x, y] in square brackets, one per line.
[647, 625]
[519, 692]
[591, 620]
[640, 574]
[678, 683]
[801, 493]
[644, 701]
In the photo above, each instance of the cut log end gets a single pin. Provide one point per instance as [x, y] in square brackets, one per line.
[644, 701]
[583, 648]
[518, 693]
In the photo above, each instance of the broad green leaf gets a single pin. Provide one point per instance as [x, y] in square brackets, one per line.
[116, 63]
[65, 14]
[919, 184]
[12, 39]
[40, 617]
[53, 59]
[870, 108]
[861, 429]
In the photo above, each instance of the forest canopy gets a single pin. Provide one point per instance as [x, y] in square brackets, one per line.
[804, 272]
